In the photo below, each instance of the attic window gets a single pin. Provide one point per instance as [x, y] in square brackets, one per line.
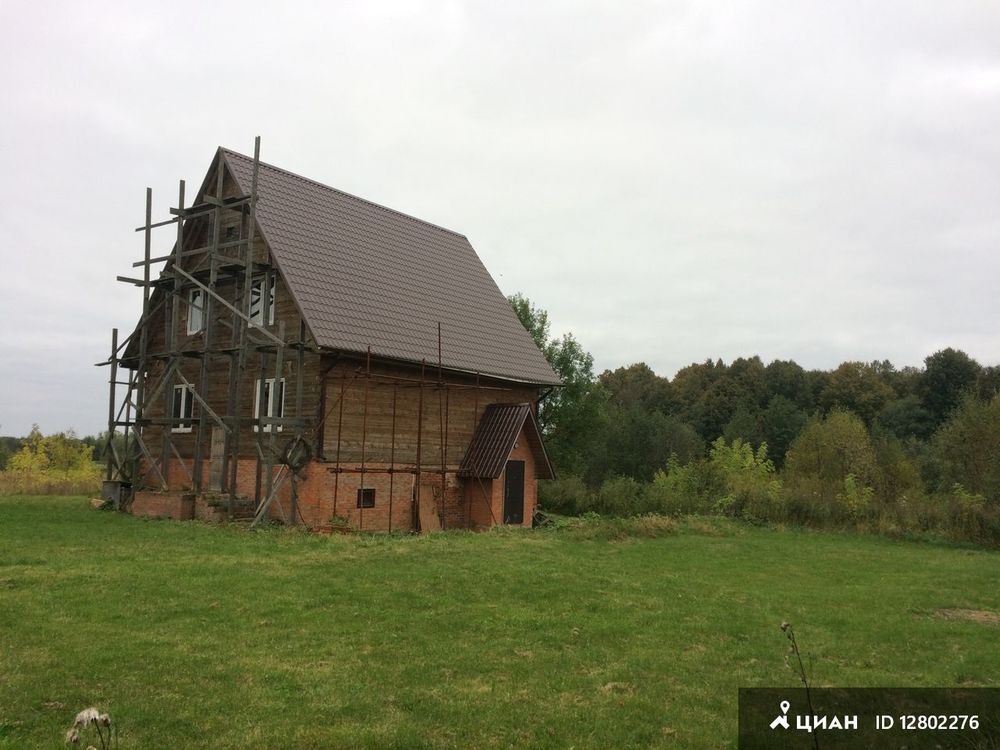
[366, 497]
[196, 311]
[262, 300]
[182, 409]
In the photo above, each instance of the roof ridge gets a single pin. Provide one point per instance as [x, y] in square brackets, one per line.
[298, 176]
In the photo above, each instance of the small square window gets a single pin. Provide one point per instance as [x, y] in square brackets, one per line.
[366, 497]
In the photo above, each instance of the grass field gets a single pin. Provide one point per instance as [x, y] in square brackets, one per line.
[195, 636]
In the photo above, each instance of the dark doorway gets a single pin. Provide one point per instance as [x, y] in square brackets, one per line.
[513, 492]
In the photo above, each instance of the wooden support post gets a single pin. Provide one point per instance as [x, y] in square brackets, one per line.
[171, 323]
[259, 429]
[143, 336]
[126, 450]
[276, 387]
[207, 309]
[340, 430]
[111, 404]
[299, 377]
[242, 321]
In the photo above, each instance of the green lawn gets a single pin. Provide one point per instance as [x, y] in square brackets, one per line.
[197, 636]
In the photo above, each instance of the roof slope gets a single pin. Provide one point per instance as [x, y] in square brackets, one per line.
[494, 439]
[365, 275]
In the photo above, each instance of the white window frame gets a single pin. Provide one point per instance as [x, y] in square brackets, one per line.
[270, 404]
[259, 286]
[196, 312]
[187, 409]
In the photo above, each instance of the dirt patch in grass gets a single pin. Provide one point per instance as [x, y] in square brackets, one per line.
[983, 616]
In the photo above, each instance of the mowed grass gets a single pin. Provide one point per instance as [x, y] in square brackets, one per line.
[203, 637]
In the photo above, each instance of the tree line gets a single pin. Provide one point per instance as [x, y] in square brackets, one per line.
[864, 443]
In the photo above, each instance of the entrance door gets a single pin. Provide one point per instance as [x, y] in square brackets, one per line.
[513, 493]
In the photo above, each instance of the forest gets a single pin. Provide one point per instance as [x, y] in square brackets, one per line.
[866, 446]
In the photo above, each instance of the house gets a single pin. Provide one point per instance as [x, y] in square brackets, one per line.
[309, 356]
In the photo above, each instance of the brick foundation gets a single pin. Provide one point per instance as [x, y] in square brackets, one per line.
[177, 505]
[324, 495]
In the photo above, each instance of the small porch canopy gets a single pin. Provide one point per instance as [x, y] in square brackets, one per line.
[494, 439]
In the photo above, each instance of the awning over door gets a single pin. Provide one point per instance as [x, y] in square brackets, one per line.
[494, 440]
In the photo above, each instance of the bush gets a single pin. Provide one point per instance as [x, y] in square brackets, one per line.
[58, 464]
[620, 497]
[685, 489]
[567, 495]
[751, 489]
[830, 471]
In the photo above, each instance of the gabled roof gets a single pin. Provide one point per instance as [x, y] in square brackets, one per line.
[494, 440]
[365, 275]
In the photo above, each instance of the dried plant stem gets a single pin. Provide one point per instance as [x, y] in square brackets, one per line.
[789, 632]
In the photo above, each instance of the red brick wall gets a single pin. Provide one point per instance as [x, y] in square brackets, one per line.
[176, 505]
[323, 493]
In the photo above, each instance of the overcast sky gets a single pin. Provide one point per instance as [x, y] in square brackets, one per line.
[672, 181]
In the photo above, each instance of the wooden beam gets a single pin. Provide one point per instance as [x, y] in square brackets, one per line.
[204, 405]
[186, 253]
[149, 457]
[272, 437]
[212, 292]
[261, 512]
[113, 381]
[181, 462]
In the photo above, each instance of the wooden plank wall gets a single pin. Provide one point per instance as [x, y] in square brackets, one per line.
[450, 415]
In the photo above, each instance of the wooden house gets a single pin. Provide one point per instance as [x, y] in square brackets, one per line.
[313, 357]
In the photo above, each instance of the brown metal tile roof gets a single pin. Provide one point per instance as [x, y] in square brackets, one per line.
[494, 439]
[365, 275]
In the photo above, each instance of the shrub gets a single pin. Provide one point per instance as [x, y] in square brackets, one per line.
[568, 495]
[818, 465]
[52, 465]
[619, 496]
[684, 489]
[856, 498]
[752, 490]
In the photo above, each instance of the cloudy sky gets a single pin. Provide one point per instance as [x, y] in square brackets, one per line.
[672, 181]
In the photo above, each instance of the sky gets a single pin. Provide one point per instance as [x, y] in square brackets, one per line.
[671, 181]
